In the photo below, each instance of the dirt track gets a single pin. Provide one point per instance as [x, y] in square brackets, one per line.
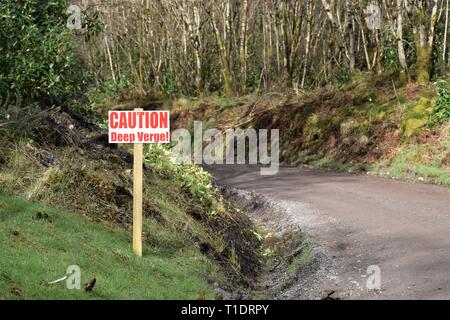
[402, 227]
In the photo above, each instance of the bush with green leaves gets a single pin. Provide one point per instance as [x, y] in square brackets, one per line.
[343, 75]
[192, 177]
[38, 53]
[442, 108]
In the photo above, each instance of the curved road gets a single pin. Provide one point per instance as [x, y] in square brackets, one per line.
[402, 227]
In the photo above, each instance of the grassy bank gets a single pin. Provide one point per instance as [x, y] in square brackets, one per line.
[36, 250]
[192, 235]
[372, 124]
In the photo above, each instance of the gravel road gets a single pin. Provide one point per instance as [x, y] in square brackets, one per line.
[361, 221]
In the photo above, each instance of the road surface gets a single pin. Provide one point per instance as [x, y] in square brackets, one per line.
[402, 227]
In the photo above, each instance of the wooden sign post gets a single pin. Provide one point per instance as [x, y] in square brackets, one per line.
[138, 165]
[138, 127]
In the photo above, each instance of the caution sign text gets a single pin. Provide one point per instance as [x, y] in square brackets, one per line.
[139, 127]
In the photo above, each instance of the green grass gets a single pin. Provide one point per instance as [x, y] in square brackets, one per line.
[422, 163]
[328, 163]
[335, 165]
[418, 172]
[297, 264]
[34, 252]
[300, 261]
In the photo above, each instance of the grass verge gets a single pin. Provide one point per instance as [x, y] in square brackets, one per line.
[35, 251]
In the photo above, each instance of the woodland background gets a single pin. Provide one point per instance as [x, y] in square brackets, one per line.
[195, 47]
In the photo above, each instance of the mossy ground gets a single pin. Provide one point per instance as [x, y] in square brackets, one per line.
[372, 124]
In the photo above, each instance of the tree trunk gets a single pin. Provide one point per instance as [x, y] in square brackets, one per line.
[308, 40]
[243, 45]
[223, 56]
[400, 45]
[446, 64]
[424, 46]
[350, 17]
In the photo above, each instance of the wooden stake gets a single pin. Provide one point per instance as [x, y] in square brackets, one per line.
[137, 196]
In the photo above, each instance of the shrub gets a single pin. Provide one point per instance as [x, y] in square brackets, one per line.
[343, 75]
[442, 107]
[38, 56]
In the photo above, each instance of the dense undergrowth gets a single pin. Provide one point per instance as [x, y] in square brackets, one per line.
[372, 124]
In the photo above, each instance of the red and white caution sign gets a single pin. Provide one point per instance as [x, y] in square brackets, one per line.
[138, 127]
